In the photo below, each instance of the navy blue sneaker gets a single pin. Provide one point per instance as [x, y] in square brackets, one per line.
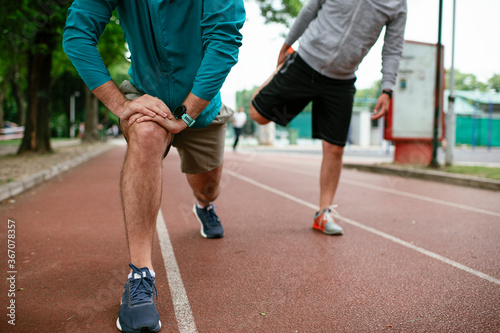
[210, 222]
[138, 313]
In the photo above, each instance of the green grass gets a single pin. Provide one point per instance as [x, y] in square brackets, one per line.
[17, 142]
[13, 142]
[477, 171]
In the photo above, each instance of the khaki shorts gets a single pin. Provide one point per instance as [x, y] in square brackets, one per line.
[201, 150]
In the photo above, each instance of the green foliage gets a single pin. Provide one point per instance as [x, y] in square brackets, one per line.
[22, 23]
[494, 82]
[112, 46]
[243, 98]
[282, 11]
[368, 97]
[464, 81]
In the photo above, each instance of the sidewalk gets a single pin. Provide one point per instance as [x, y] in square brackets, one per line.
[377, 159]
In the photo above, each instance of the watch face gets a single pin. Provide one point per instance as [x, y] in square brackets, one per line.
[179, 111]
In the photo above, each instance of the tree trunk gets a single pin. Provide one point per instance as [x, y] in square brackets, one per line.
[91, 116]
[37, 130]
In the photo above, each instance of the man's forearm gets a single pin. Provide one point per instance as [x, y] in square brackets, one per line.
[111, 96]
[194, 105]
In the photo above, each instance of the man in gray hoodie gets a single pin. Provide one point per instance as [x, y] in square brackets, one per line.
[335, 37]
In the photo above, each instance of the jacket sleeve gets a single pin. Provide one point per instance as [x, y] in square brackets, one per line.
[306, 15]
[86, 21]
[221, 22]
[393, 49]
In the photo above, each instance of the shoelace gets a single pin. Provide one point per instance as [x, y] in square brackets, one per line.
[332, 209]
[328, 214]
[142, 289]
[213, 220]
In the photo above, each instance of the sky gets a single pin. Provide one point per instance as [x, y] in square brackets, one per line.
[477, 43]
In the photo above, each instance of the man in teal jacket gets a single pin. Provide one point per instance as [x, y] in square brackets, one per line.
[181, 53]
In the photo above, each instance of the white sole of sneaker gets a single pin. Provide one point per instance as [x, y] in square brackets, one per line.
[120, 327]
[199, 221]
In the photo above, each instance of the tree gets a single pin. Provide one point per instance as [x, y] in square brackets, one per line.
[3, 92]
[282, 11]
[494, 82]
[464, 81]
[112, 48]
[10, 59]
[368, 97]
[33, 60]
[243, 98]
[33, 31]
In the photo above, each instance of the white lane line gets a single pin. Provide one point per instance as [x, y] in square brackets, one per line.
[182, 308]
[397, 192]
[370, 229]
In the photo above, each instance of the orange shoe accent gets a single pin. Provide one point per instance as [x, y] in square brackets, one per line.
[320, 221]
[326, 223]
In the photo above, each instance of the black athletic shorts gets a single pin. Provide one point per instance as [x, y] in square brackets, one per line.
[294, 86]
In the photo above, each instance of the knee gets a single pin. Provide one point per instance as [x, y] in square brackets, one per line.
[256, 116]
[148, 137]
[332, 150]
[209, 193]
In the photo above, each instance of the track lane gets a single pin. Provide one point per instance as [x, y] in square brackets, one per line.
[407, 208]
[272, 263]
[272, 272]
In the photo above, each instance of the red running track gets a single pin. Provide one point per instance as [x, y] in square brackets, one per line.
[416, 256]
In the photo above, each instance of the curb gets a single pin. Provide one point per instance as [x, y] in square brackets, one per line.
[436, 176]
[9, 190]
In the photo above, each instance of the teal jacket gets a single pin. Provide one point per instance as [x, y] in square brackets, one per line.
[176, 46]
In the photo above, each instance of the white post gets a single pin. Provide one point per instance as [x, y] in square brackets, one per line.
[450, 114]
[72, 114]
[266, 134]
[364, 129]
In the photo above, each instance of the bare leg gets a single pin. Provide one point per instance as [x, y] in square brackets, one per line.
[205, 185]
[141, 186]
[331, 167]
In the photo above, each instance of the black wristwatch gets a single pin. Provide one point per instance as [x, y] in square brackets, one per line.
[180, 112]
[388, 92]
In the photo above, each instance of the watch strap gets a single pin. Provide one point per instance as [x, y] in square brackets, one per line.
[188, 120]
[388, 92]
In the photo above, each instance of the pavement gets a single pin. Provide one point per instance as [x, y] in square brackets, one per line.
[416, 256]
[379, 159]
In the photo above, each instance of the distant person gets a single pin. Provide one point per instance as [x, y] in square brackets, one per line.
[335, 37]
[115, 130]
[81, 129]
[238, 120]
[181, 53]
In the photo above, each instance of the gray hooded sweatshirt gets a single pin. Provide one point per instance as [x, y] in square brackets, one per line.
[337, 34]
